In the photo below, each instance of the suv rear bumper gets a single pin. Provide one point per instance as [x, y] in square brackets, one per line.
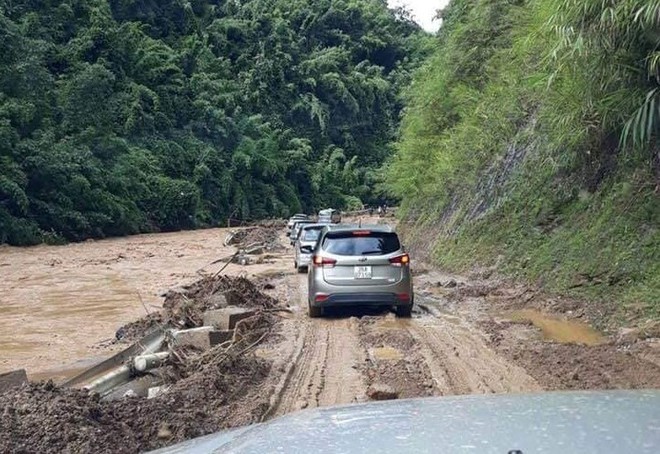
[361, 299]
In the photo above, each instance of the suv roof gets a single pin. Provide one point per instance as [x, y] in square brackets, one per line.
[386, 228]
[312, 226]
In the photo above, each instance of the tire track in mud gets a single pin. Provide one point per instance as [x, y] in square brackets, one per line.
[435, 355]
[323, 369]
[332, 361]
[462, 363]
[396, 367]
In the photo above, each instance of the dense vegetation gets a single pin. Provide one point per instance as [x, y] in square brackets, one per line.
[530, 140]
[127, 116]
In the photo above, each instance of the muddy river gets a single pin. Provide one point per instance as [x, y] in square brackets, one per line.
[58, 303]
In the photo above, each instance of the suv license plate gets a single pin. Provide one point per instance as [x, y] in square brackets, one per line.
[362, 272]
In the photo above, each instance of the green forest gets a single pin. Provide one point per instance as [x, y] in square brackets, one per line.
[523, 136]
[127, 116]
[530, 144]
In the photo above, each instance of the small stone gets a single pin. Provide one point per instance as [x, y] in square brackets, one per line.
[164, 432]
[380, 391]
[451, 283]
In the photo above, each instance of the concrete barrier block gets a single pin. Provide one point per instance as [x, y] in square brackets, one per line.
[13, 379]
[196, 337]
[218, 300]
[226, 319]
[220, 337]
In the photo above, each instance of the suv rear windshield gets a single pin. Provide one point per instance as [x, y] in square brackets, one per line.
[354, 243]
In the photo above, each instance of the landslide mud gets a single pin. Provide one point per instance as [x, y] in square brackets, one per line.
[184, 307]
[464, 338]
[46, 419]
[536, 334]
[60, 302]
[203, 392]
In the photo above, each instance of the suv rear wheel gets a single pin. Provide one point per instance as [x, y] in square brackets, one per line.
[315, 312]
[403, 311]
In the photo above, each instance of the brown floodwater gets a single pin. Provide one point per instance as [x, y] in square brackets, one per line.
[57, 303]
[559, 329]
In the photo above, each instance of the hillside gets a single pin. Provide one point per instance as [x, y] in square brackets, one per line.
[529, 144]
[121, 117]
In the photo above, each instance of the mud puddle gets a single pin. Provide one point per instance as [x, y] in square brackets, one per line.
[386, 354]
[558, 329]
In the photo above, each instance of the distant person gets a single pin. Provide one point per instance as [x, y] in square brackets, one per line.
[380, 210]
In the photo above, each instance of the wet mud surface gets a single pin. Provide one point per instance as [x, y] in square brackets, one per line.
[468, 335]
[59, 303]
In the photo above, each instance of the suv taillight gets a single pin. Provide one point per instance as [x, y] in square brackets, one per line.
[400, 260]
[323, 262]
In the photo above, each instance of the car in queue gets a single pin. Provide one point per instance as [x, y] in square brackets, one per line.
[329, 216]
[293, 219]
[293, 234]
[360, 266]
[305, 244]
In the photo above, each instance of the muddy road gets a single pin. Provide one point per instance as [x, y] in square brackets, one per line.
[354, 356]
[467, 335]
[62, 305]
[460, 340]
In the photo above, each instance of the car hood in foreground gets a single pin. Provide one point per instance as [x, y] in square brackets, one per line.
[570, 422]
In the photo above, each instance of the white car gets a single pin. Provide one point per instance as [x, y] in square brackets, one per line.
[305, 244]
[295, 218]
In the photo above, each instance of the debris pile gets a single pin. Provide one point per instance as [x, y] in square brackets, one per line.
[266, 238]
[203, 378]
[184, 307]
[223, 393]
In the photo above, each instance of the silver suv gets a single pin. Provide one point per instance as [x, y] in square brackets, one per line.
[356, 266]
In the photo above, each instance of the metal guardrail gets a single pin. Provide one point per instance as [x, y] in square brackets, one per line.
[150, 343]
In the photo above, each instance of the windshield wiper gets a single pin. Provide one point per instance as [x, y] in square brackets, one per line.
[372, 252]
